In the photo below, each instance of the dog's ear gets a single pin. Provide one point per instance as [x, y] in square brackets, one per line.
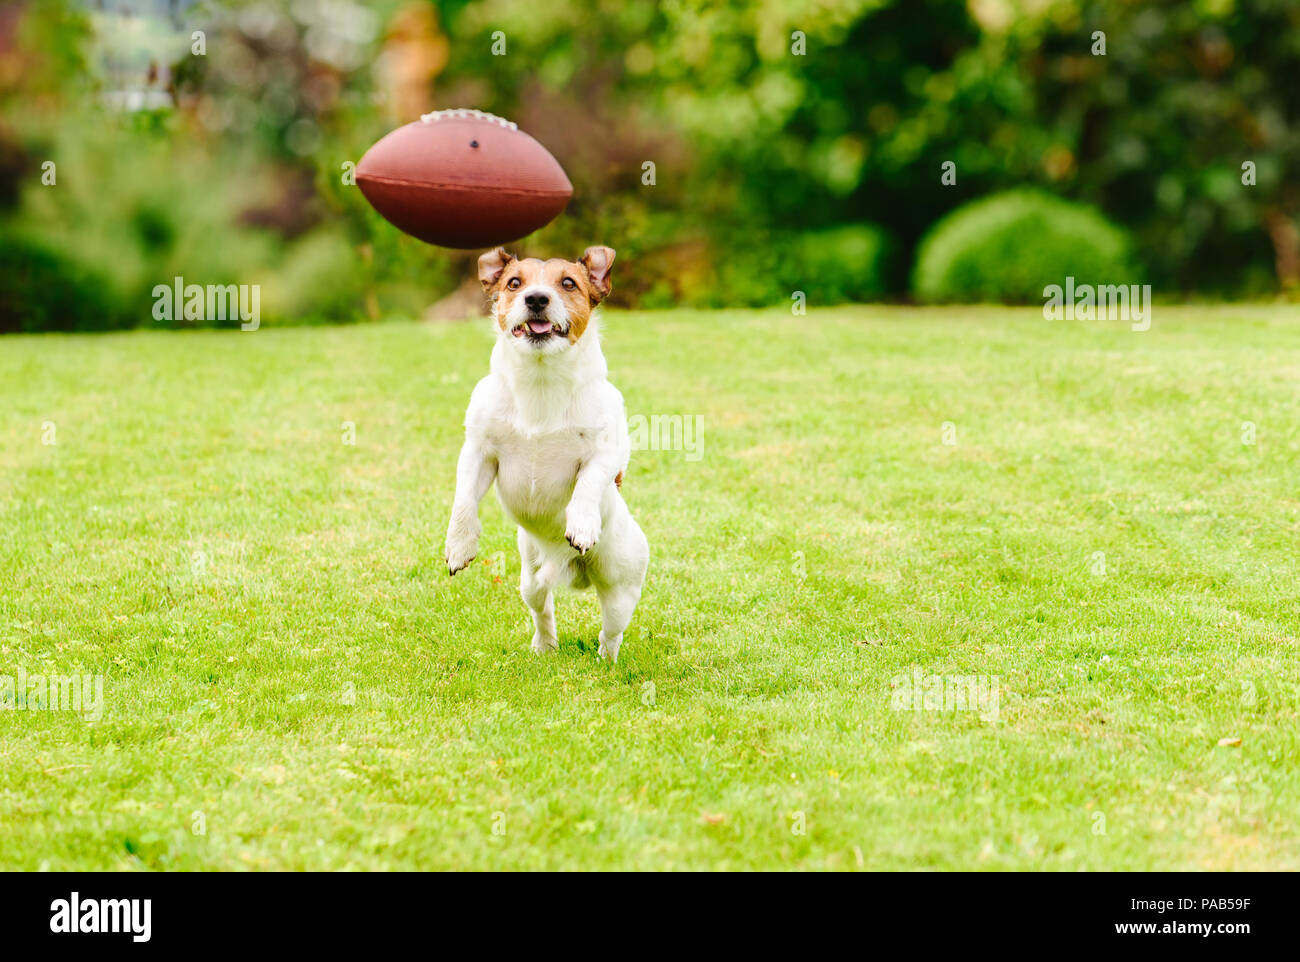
[491, 265]
[598, 261]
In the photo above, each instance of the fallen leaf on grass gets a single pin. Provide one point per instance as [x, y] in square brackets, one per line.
[1229, 742]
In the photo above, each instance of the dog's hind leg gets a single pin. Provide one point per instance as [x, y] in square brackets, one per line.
[617, 602]
[618, 576]
[537, 595]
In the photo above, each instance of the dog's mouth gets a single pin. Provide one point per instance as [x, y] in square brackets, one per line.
[536, 329]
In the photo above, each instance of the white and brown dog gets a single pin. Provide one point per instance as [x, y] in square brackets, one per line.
[550, 429]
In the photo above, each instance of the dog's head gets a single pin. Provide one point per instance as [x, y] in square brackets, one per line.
[545, 306]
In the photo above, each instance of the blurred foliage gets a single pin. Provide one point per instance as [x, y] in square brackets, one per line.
[1007, 247]
[1156, 132]
[847, 263]
[42, 289]
[733, 152]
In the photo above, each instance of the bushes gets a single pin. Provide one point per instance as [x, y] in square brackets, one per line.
[43, 290]
[1009, 246]
[829, 267]
[843, 263]
[317, 279]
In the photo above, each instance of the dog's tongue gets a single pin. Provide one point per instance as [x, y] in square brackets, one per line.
[539, 327]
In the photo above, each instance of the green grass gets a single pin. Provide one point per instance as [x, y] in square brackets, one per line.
[827, 542]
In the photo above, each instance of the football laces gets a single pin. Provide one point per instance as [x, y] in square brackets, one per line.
[456, 113]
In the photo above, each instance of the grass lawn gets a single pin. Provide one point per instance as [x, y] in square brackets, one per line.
[291, 680]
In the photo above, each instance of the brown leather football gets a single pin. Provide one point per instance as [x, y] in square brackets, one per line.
[464, 179]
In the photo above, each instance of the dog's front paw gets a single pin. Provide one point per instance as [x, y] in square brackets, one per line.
[459, 553]
[582, 526]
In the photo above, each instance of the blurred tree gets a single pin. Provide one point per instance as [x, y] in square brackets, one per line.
[1157, 130]
[760, 118]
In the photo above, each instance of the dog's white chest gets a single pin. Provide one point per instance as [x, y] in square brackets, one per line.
[536, 471]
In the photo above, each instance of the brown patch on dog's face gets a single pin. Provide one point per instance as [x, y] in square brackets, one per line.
[555, 294]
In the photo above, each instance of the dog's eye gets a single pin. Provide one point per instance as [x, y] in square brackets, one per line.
[513, 283]
[568, 284]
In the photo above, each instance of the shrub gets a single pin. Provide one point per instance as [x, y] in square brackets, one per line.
[1009, 246]
[842, 264]
[44, 290]
[845, 263]
[318, 279]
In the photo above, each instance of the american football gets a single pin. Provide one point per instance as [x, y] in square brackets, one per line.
[463, 179]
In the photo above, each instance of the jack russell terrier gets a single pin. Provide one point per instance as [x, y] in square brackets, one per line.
[550, 429]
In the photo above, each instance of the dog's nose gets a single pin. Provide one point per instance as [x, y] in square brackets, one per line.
[536, 302]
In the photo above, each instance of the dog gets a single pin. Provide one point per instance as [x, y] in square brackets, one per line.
[548, 427]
